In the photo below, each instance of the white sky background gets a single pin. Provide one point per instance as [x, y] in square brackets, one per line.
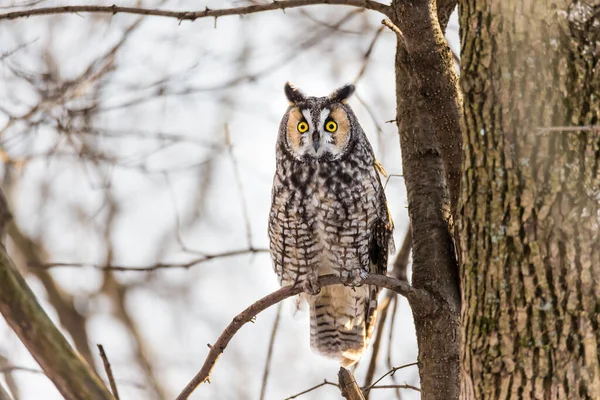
[60, 199]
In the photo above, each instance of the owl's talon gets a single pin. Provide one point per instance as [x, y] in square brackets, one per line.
[355, 279]
[311, 285]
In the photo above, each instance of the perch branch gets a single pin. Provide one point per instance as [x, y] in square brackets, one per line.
[400, 287]
[194, 15]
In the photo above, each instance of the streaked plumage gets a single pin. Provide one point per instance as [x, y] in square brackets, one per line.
[329, 215]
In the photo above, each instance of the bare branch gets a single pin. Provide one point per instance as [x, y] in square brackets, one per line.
[390, 372]
[401, 261]
[395, 387]
[108, 370]
[10, 368]
[154, 267]
[385, 306]
[320, 385]
[194, 15]
[393, 28]
[403, 288]
[390, 343]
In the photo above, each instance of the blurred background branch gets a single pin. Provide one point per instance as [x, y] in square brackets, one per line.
[18, 305]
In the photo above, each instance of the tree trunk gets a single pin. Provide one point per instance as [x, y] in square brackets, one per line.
[428, 116]
[529, 211]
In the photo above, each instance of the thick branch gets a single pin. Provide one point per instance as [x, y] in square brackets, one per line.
[71, 375]
[193, 15]
[413, 295]
[432, 64]
[428, 117]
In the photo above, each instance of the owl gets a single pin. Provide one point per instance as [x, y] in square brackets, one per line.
[329, 216]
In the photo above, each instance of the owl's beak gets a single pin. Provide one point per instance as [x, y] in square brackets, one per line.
[316, 140]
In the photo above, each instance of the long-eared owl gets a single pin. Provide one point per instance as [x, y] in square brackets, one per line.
[329, 216]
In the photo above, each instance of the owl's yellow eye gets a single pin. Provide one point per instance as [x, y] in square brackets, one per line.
[302, 126]
[331, 126]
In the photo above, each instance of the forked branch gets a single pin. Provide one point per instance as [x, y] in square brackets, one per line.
[413, 295]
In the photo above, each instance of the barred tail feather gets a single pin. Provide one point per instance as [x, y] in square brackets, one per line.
[342, 321]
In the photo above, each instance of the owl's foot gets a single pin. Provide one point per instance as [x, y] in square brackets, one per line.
[354, 278]
[311, 285]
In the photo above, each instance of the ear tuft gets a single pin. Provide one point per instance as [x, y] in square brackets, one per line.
[342, 94]
[293, 94]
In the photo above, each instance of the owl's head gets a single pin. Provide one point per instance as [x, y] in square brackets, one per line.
[318, 128]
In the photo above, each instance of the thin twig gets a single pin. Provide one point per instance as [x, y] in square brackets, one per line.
[154, 267]
[403, 288]
[390, 343]
[401, 261]
[108, 370]
[584, 128]
[325, 382]
[11, 368]
[393, 28]
[405, 386]
[263, 388]
[390, 372]
[194, 15]
[383, 313]
[390, 176]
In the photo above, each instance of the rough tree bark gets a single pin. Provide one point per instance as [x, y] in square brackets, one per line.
[428, 116]
[529, 210]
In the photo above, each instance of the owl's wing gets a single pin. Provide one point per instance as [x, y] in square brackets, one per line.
[380, 245]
